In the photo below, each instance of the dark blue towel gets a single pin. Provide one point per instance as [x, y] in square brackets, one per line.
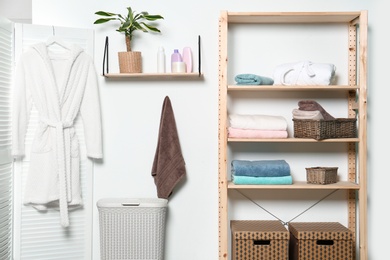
[261, 168]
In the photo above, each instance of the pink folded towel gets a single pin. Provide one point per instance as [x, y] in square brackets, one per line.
[252, 133]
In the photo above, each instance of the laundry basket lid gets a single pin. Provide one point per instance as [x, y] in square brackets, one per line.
[131, 202]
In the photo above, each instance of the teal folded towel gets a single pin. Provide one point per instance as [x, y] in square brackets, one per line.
[248, 180]
[253, 79]
[260, 168]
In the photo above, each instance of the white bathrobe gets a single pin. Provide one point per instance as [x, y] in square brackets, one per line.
[60, 86]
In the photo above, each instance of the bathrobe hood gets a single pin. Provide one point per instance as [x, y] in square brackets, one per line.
[61, 86]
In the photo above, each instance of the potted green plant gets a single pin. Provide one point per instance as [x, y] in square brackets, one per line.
[130, 61]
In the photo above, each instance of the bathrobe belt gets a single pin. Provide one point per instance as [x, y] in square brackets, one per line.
[61, 167]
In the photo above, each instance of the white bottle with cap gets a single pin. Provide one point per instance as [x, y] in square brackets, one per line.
[161, 60]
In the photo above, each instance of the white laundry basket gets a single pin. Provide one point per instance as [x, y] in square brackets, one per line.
[132, 229]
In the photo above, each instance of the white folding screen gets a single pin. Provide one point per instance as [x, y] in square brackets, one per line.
[39, 235]
[6, 58]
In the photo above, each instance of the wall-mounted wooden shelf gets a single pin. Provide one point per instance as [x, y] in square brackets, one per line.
[153, 76]
[159, 76]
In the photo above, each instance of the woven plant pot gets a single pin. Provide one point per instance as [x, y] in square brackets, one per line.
[130, 62]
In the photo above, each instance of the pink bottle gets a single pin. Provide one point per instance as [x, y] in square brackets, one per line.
[187, 58]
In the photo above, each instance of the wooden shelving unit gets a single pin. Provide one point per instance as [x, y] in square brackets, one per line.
[355, 93]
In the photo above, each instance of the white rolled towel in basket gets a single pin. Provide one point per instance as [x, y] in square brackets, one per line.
[304, 73]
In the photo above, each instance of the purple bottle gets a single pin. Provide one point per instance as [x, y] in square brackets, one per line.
[175, 57]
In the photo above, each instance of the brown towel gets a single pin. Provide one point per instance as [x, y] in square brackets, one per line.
[168, 166]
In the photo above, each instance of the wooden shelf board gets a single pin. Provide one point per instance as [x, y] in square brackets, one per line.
[293, 140]
[299, 185]
[193, 75]
[292, 17]
[290, 88]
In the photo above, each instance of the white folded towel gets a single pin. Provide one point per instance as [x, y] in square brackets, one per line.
[303, 114]
[304, 73]
[260, 122]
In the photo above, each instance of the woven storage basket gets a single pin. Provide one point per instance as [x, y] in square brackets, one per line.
[132, 229]
[321, 175]
[325, 129]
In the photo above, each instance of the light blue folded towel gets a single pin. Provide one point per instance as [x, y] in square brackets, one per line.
[248, 180]
[253, 79]
[260, 168]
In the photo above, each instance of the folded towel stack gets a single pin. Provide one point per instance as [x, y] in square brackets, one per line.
[257, 126]
[311, 110]
[253, 79]
[261, 172]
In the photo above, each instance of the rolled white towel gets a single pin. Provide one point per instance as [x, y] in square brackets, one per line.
[260, 122]
[303, 114]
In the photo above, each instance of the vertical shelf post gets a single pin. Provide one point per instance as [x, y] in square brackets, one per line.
[363, 38]
[222, 138]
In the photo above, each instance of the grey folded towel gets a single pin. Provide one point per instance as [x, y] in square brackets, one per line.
[168, 165]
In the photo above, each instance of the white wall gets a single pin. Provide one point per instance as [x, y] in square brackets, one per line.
[16, 10]
[131, 112]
